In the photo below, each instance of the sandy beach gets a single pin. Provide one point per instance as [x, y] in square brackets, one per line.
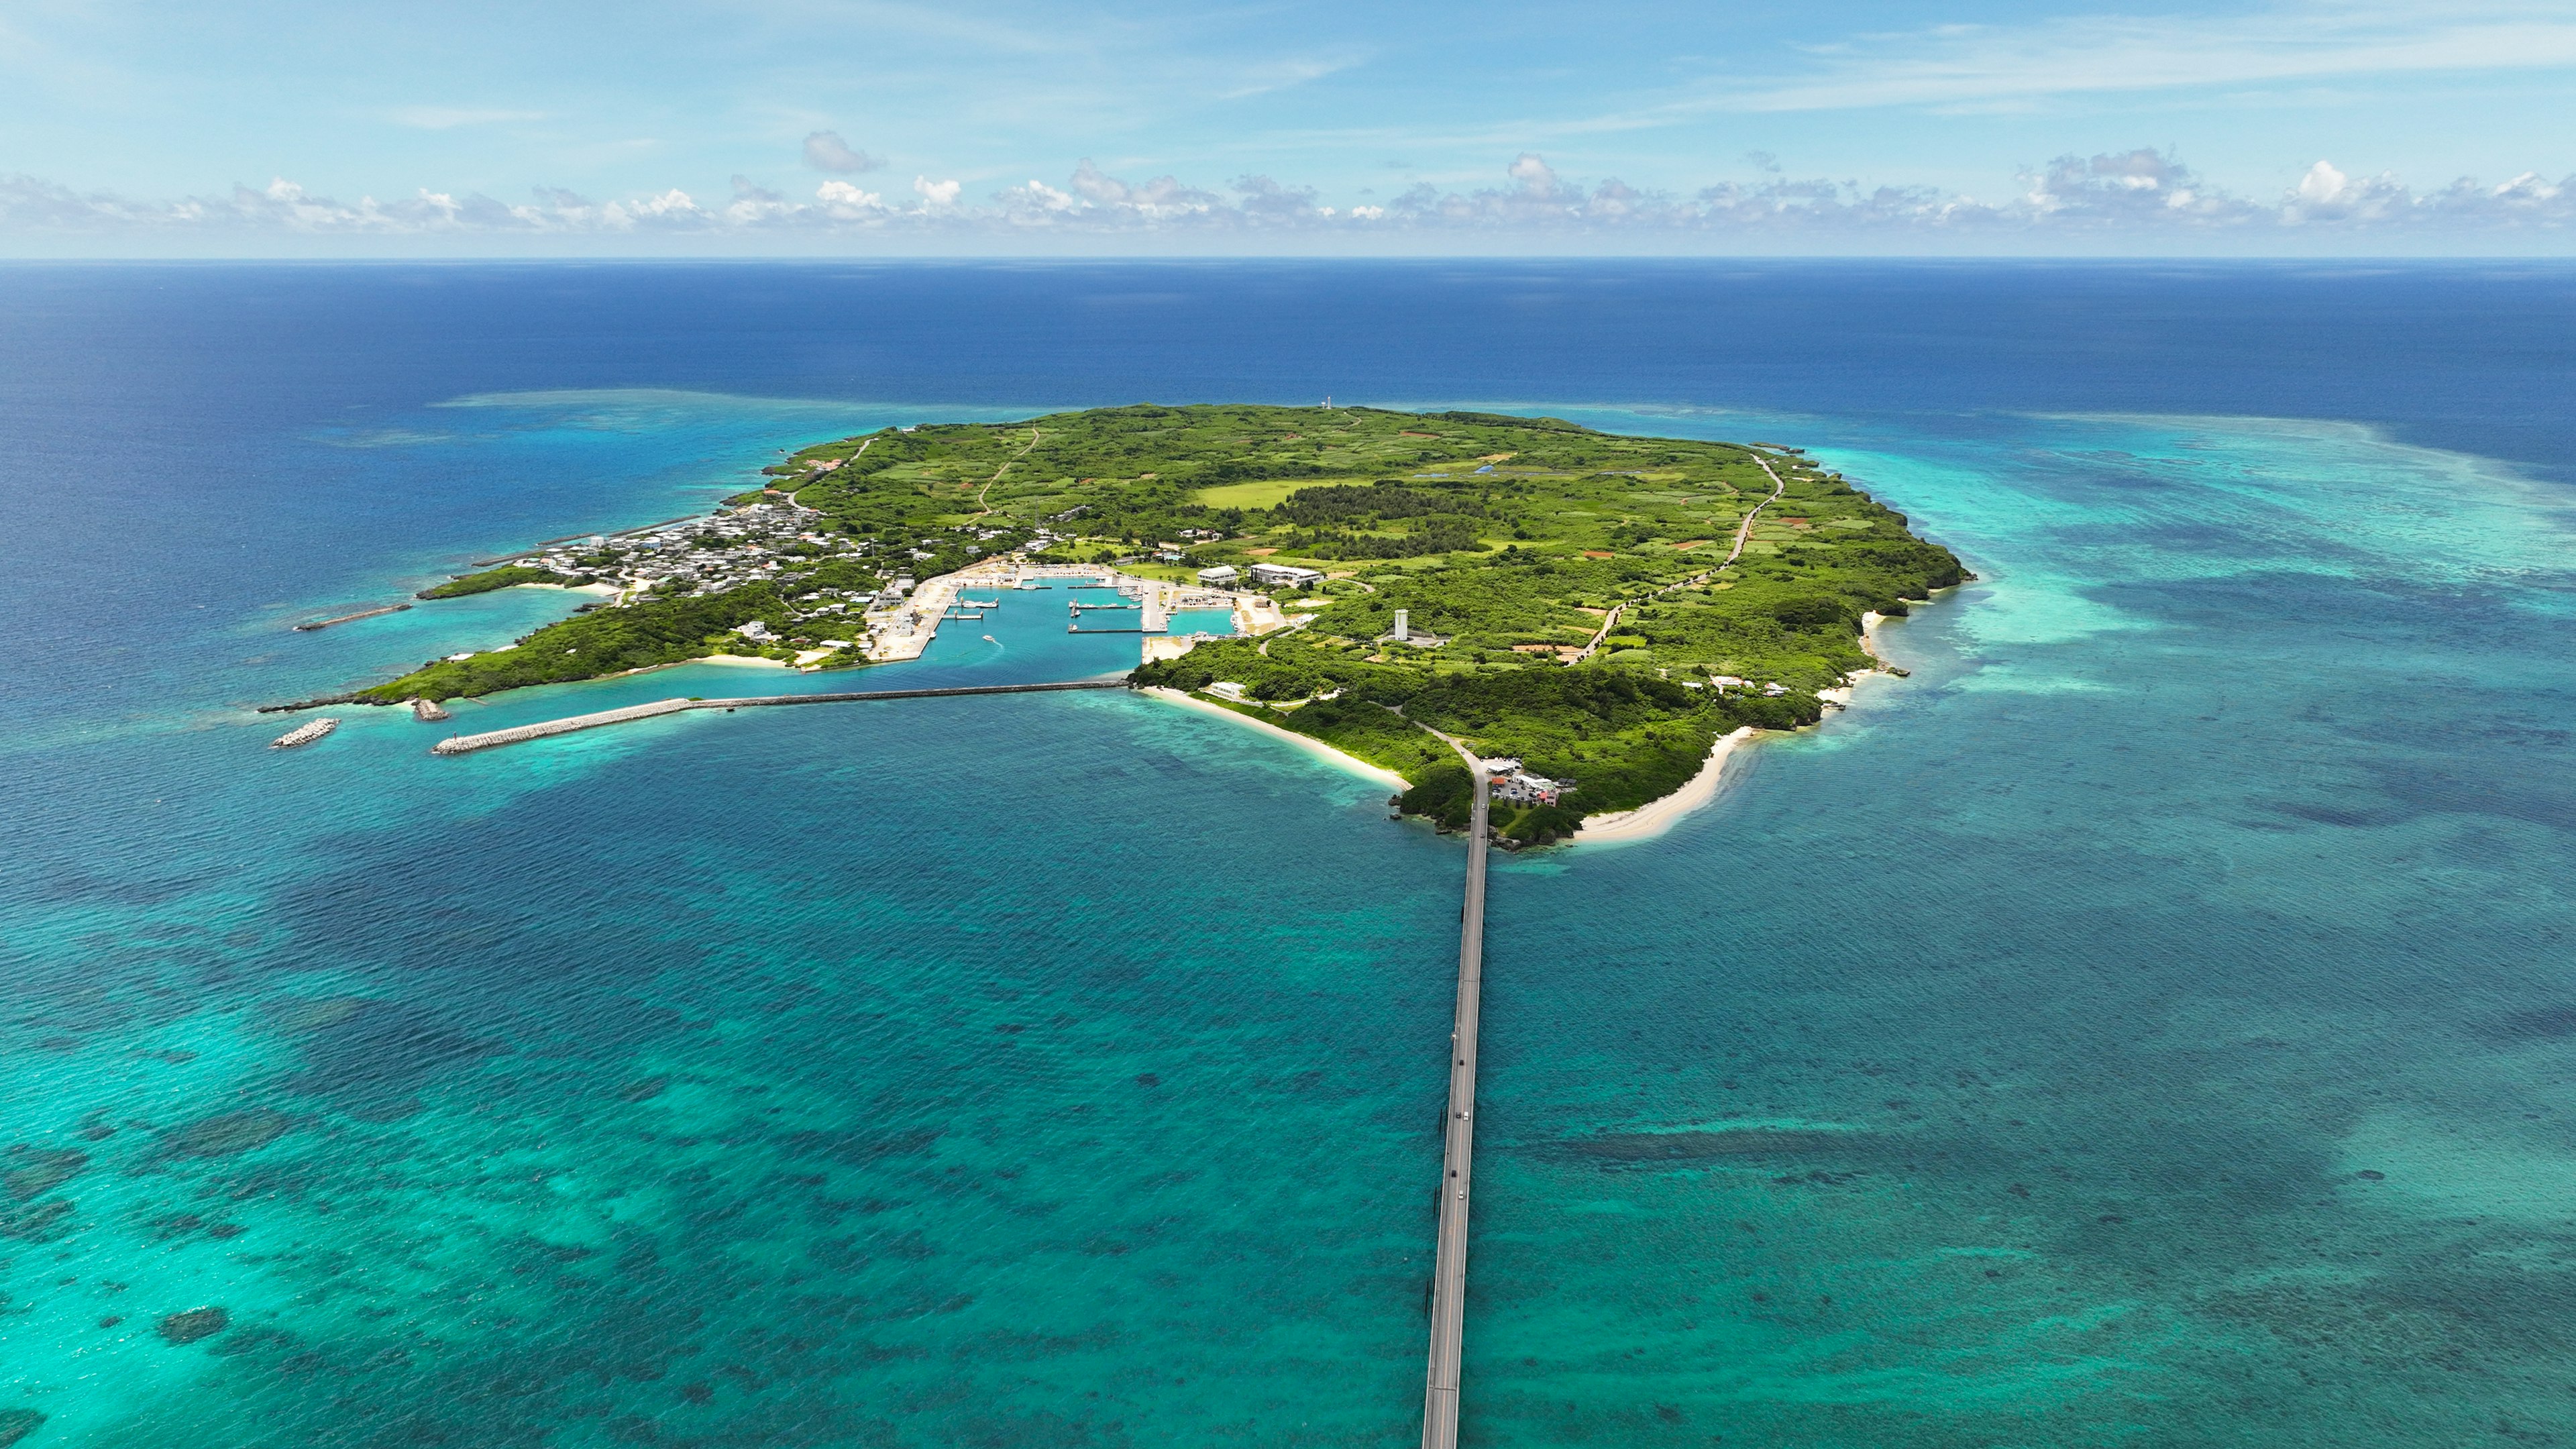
[1308, 743]
[1657, 816]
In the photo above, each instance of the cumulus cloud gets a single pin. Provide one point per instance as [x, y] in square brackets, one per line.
[826, 151]
[1160, 199]
[2121, 196]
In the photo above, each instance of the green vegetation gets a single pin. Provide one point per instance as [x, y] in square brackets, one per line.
[607, 641]
[1509, 541]
[506, 576]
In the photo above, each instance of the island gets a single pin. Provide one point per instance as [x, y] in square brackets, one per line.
[1595, 612]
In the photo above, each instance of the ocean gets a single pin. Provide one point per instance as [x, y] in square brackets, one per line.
[2151, 1022]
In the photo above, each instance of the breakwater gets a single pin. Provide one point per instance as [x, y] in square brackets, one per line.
[350, 618]
[542, 729]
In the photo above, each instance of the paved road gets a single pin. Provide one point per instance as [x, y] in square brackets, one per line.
[1449, 1269]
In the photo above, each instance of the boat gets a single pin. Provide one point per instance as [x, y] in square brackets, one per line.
[989, 639]
[304, 734]
[979, 603]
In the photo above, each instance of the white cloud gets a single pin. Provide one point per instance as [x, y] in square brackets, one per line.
[1982, 67]
[1155, 200]
[2120, 196]
[826, 151]
[1279, 75]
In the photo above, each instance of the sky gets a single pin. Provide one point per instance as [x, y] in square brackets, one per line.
[984, 127]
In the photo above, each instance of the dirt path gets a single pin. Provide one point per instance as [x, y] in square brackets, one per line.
[981, 498]
[1743, 536]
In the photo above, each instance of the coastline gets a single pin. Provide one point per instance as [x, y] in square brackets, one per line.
[1352, 763]
[1657, 816]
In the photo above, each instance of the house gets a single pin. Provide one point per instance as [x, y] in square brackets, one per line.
[1220, 576]
[755, 631]
[1499, 767]
[1285, 576]
[1226, 689]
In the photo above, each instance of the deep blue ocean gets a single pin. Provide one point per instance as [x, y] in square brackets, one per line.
[2151, 1023]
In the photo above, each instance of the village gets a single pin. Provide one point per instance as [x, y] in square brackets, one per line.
[867, 591]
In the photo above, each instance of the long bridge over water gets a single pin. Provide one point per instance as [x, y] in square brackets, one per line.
[1458, 1135]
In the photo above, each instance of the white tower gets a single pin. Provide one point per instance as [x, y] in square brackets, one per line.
[1403, 629]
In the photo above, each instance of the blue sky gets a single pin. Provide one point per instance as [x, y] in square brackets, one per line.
[979, 126]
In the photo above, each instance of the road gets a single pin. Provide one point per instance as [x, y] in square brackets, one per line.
[1743, 535]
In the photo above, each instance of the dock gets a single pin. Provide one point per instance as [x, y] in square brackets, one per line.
[543, 729]
[1457, 1162]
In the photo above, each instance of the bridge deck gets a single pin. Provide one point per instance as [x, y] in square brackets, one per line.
[1449, 1268]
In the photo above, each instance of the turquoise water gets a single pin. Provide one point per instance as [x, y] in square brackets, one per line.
[1201, 621]
[2149, 1023]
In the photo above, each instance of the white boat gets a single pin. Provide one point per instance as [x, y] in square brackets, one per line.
[304, 734]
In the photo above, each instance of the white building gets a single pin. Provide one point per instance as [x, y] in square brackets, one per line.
[1285, 576]
[1220, 576]
[1403, 626]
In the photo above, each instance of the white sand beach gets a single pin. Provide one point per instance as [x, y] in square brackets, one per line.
[1308, 743]
[1657, 816]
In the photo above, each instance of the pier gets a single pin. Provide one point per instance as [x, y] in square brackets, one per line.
[1457, 1161]
[543, 729]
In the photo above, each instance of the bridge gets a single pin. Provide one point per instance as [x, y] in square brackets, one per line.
[1449, 1264]
[1457, 1159]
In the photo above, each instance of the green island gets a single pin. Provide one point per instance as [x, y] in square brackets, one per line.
[1566, 596]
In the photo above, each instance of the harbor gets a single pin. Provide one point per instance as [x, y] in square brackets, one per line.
[902, 623]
